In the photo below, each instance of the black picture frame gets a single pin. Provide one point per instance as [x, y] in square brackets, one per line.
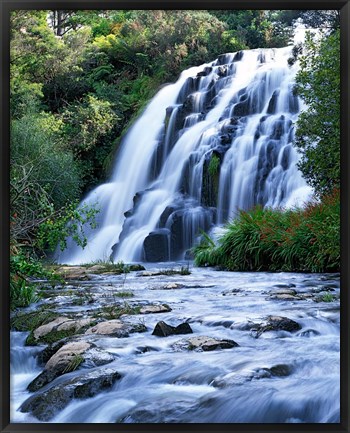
[6, 6]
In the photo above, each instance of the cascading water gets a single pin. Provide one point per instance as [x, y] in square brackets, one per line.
[218, 140]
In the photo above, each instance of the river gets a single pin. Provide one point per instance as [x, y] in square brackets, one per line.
[280, 377]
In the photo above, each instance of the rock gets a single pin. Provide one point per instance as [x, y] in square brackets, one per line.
[149, 274]
[156, 246]
[279, 370]
[162, 329]
[49, 327]
[73, 273]
[276, 323]
[137, 267]
[115, 328]
[283, 291]
[309, 333]
[58, 329]
[149, 309]
[47, 404]
[32, 320]
[285, 297]
[271, 109]
[172, 286]
[203, 343]
[68, 358]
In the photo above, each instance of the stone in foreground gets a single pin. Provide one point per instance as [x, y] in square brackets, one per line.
[68, 358]
[47, 404]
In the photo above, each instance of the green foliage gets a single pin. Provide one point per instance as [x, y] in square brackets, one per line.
[73, 364]
[32, 320]
[214, 165]
[116, 311]
[71, 222]
[124, 294]
[328, 297]
[302, 240]
[318, 127]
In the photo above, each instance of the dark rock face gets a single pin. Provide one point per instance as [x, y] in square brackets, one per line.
[276, 323]
[156, 246]
[271, 109]
[162, 329]
[47, 404]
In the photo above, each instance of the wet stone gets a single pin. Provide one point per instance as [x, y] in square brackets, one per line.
[115, 328]
[276, 323]
[68, 358]
[205, 344]
[162, 329]
[45, 405]
[150, 309]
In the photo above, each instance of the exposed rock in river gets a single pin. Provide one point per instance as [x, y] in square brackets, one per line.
[115, 328]
[276, 323]
[68, 358]
[148, 309]
[162, 329]
[47, 404]
[204, 343]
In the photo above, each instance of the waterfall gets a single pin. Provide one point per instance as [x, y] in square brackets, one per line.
[217, 140]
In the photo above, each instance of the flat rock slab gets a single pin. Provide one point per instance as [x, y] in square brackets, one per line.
[61, 324]
[115, 328]
[47, 404]
[283, 291]
[203, 343]
[285, 297]
[149, 309]
[162, 329]
[68, 358]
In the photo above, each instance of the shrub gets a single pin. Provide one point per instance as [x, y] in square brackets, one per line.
[297, 240]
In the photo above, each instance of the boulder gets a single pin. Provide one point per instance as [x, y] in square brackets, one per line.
[149, 309]
[68, 358]
[115, 328]
[47, 404]
[61, 325]
[203, 343]
[156, 246]
[276, 323]
[279, 370]
[162, 329]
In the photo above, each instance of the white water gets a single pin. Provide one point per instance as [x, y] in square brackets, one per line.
[258, 162]
[163, 385]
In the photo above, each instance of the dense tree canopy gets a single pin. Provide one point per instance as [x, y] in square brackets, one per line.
[80, 78]
[318, 126]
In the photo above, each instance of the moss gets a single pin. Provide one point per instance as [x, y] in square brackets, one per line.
[116, 311]
[49, 338]
[32, 320]
[124, 294]
[214, 165]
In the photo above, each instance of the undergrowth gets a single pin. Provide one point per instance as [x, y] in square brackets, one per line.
[294, 240]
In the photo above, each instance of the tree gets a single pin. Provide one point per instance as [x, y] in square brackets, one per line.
[318, 127]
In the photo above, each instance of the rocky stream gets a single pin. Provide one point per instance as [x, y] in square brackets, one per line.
[176, 344]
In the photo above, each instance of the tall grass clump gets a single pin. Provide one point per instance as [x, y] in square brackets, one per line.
[295, 240]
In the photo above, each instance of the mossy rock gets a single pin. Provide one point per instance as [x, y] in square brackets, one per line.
[32, 320]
